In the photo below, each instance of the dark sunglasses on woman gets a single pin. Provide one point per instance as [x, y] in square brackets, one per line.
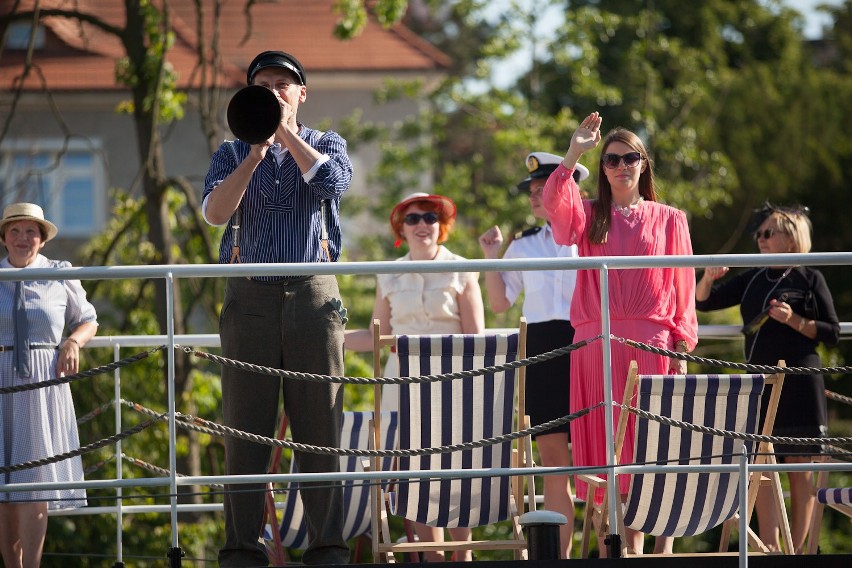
[765, 234]
[429, 218]
[630, 159]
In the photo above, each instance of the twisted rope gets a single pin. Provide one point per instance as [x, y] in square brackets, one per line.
[94, 413]
[157, 469]
[839, 453]
[838, 397]
[224, 361]
[149, 466]
[735, 435]
[95, 467]
[82, 374]
[766, 369]
[79, 451]
[207, 427]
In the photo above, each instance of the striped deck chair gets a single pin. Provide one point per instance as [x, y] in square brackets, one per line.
[686, 504]
[836, 498]
[451, 412]
[356, 431]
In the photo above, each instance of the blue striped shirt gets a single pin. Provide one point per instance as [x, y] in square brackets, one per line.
[281, 212]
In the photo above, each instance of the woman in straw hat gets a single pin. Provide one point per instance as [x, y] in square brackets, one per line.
[419, 304]
[38, 423]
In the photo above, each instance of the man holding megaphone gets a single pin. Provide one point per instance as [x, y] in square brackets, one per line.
[278, 188]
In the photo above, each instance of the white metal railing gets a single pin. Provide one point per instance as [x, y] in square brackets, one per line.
[170, 272]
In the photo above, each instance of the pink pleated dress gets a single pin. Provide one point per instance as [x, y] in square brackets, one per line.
[652, 305]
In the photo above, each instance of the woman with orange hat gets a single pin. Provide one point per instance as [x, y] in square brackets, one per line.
[37, 423]
[419, 304]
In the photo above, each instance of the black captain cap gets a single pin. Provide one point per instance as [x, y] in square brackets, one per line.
[276, 59]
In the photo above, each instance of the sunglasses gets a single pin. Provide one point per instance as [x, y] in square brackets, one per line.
[765, 234]
[630, 159]
[429, 218]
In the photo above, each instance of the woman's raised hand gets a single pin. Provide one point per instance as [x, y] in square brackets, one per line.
[588, 134]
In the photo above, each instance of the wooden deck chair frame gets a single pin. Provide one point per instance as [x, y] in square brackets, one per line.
[836, 498]
[596, 517]
[291, 532]
[383, 545]
[772, 480]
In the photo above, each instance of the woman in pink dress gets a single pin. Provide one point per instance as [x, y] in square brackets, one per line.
[655, 306]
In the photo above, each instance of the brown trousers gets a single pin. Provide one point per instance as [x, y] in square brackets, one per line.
[290, 325]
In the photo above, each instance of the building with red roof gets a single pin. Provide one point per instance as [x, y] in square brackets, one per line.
[64, 144]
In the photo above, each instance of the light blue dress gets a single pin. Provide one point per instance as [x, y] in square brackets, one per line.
[41, 423]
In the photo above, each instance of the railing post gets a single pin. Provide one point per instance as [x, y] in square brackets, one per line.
[612, 486]
[119, 518]
[743, 554]
[175, 552]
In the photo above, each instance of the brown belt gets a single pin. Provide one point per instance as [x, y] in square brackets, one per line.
[35, 346]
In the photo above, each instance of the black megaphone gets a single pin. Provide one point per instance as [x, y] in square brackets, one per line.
[254, 114]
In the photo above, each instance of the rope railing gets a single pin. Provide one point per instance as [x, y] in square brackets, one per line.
[204, 426]
[82, 449]
[98, 465]
[838, 397]
[82, 374]
[748, 367]
[160, 471]
[233, 363]
[207, 427]
[91, 415]
[843, 441]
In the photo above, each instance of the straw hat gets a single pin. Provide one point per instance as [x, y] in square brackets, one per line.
[27, 212]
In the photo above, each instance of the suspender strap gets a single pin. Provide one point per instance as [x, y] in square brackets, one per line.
[236, 221]
[324, 228]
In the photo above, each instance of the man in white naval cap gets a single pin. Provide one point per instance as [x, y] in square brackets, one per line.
[547, 302]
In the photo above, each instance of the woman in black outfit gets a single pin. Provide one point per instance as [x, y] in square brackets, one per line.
[798, 314]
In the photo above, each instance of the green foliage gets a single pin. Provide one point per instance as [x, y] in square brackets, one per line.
[155, 75]
[353, 15]
[353, 18]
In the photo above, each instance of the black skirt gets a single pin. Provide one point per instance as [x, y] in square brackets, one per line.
[547, 390]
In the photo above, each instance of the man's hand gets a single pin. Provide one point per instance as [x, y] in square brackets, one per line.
[490, 242]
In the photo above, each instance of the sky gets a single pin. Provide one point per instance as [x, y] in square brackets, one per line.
[814, 22]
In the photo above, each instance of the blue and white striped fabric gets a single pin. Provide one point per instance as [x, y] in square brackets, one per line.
[452, 412]
[281, 211]
[355, 432]
[690, 503]
[836, 496]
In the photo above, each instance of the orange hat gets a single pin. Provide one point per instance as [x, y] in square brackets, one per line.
[444, 206]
